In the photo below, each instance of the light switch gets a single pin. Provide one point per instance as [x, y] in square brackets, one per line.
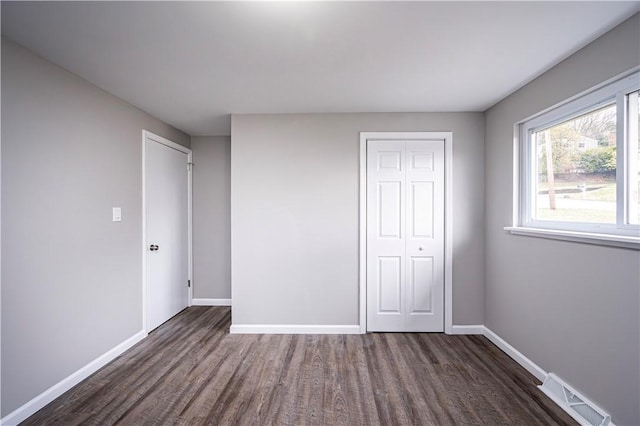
[117, 214]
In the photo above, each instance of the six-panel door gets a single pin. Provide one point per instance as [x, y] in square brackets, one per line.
[405, 235]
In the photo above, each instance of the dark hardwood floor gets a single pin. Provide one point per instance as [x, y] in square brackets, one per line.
[192, 371]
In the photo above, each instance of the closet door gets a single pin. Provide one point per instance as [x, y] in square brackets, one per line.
[405, 235]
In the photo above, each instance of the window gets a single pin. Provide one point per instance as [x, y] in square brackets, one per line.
[579, 166]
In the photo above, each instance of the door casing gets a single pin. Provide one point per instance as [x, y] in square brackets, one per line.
[146, 135]
[448, 218]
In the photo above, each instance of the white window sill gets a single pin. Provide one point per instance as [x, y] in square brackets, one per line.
[578, 237]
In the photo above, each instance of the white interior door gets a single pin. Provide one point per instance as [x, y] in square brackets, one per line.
[405, 235]
[167, 231]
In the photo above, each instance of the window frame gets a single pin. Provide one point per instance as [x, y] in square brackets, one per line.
[622, 232]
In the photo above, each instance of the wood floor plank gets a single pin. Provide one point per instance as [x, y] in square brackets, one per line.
[361, 401]
[191, 371]
[283, 405]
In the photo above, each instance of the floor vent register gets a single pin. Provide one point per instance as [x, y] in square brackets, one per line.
[577, 406]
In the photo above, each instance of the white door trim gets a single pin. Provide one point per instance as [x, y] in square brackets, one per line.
[151, 136]
[448, 217]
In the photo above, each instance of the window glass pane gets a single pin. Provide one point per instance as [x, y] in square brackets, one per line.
[576, 169]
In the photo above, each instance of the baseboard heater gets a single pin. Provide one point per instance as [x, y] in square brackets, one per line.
[577, 406]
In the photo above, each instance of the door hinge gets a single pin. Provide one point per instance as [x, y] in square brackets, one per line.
[189, 166]
[188, 283]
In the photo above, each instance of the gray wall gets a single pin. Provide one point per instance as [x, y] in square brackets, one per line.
[71, 278]
[573, 309]
[211, 217]
[294, 214]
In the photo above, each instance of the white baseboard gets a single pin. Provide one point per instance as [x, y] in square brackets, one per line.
[516, 355]
[31, 407]
[467, 329]
[294, 329]
[211, 302]
[542, 375]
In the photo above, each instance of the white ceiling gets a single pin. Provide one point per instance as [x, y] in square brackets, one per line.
[191, 64]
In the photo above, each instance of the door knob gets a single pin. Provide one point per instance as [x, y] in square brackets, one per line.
[154, 247]
[420, 248]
